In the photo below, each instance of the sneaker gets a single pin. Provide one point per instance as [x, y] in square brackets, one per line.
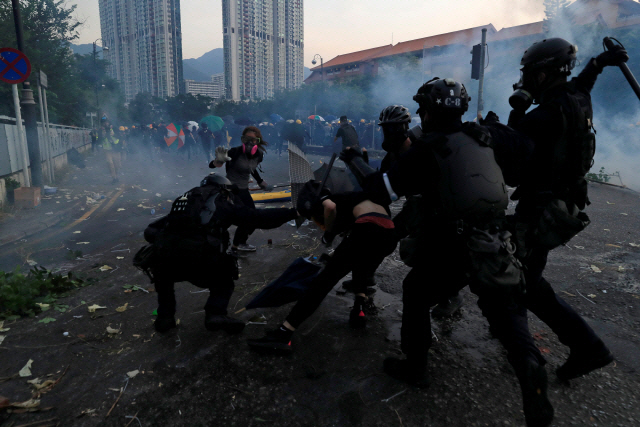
[538, 411]
[347, 285]
[164, 323]
[216, 322]
[246, 248]
[403, 370]
[447, 308]
[357, 318]
[275, 341]
[579, 364]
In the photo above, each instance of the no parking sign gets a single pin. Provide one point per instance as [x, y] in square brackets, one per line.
[14, 66]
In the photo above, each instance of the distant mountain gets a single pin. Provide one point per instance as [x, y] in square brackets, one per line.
[208, 64]
[84, 49]
[190, 73]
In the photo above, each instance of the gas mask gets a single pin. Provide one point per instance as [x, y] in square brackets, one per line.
[522, 97]
[250, 145]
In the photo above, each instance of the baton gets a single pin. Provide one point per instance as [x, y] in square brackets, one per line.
[609, 45]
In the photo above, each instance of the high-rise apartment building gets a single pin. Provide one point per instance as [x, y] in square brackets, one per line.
[263, 47]
[144, 38]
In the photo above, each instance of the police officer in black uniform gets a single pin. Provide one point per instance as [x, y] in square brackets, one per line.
[460, 239]
[196, 251]
[554, 190]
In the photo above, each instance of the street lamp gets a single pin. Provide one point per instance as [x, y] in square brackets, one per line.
[95, 70]
[314, 62]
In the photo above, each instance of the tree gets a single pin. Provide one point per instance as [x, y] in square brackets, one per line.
[557, 16]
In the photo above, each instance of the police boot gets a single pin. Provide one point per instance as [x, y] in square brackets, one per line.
[216, 322]
[582, 362]
[410, 371]
[348, 286]
[164, 323]
[538, 411]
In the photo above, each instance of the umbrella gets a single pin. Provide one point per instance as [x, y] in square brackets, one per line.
[299, 171]
[331, 118]
[289, 287]
[339, 180]
[214, 123]
[316, 117]
[193, 126]
[275, 118]
[244, 121]
[175, 136]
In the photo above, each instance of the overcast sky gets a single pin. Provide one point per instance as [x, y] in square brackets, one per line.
[334, 27]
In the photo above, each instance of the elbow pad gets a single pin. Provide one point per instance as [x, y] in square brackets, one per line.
[360, 169]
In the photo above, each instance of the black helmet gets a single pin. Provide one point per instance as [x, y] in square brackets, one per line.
[550, 54]
[443, 97]
[395, 114]
[215, 179]
[309, 204]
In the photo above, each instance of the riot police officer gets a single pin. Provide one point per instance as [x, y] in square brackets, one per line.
[554, 190]
[457, 237]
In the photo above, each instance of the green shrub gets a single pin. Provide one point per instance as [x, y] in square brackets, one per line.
[11, 184]
[600, 176]
[20, 293]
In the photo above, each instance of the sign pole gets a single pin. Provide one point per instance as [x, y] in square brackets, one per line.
[44, 133]
[50, 146]
[22, 143]
[481, 79]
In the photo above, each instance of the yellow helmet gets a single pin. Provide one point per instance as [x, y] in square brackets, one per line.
[299, 121]
[121, 128]
[361, 120]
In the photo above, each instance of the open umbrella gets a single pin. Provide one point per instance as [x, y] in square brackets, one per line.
[289, 287]
[244, 121]
[316, 117]
[214, 123]
[275, 118]
[193, 126]
[175, 136]
[330, 118]
[339, 179]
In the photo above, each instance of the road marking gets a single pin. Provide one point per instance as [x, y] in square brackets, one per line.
[86, 215]
[112, 201]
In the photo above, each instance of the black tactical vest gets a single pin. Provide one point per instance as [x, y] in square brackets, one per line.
[471, 186]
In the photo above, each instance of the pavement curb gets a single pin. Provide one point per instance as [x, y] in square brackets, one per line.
[37, 227]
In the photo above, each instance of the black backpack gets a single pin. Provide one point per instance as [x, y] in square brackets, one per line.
[191, 213]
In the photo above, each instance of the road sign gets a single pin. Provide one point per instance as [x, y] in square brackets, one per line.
[43, 80]
[14, 66]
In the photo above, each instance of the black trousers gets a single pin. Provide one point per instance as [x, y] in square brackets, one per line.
[361, 251]
[220, 285]
[563, 320]
[242, 233]
[443, 274]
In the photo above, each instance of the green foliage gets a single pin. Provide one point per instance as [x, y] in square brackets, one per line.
[11, 184]
[600, 176]
[21, 293]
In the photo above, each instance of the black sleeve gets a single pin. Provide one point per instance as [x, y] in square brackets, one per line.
[243, 216]
[255, 173]
[512, 151]
[339, 134]
[544, 125]
[587, 77]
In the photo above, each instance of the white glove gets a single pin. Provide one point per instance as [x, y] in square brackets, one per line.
[221, 155]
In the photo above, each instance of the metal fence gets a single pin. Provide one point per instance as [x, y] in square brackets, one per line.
[61, 138]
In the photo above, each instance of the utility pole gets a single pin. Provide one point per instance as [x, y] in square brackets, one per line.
[29, 109]
[483, 50]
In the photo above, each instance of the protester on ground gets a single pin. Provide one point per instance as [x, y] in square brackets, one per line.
[370, 239]
[549, 213]
[190, 244]
[458, 237]
[241, 163]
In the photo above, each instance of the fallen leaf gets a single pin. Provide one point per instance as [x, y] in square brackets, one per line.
[132, 374]
[31, 403]
[177, 321]
[26, 370]
[94, 307]
[578, 247]
[591, 295]
[119, 257]
[77, 232]
[159, 384]
[114, 389]
[158, 195]
[609, 203]
[622, 213]
[613, 246]
[123, 308]
[82, 243]
[41, 305]
[111, 330]
[32, 263]
[595, 269]
[2, 337]
[105, 268]
[620, 268]
[39, 386]
[635, 245]
[606, 229]
[571, 295]
[144, 189]
[2, 328]
[47, 320]
[136, 336]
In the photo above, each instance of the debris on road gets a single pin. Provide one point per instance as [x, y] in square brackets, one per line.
[94, 307]
[26, 370]
[105, 268]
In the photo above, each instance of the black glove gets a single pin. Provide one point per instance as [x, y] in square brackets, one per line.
[491, 119]
[612, 57]
[327, 238]
[349, 154]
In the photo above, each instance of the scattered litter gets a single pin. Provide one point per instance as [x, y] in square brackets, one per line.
[620, 269]
[65, 334]
[130, 288]
[123, 308]
[121, 209]
[606, 229]
[77, 232]
[144, 189]
[26, 370]
[2, 328]
[578, 247]
[49, 213]
[158, 195]
[604, 291]
[179, 176]
[122, 250]
[635, 245]
[571, 295]
[592, 302]
[622, 213]
[2, 337]
[258, 319]
[595, 269]
[591, 295]
[32, 263]
[82, 243]
[78, 317]
[105, 268]
[119, 257]
[94, 307]
[395, 395]
[613, 246]
[111, 330]
[609, 203]
[132, 374]
[199, 292]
